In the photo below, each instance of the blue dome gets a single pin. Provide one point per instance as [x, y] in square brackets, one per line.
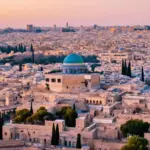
[73, 59]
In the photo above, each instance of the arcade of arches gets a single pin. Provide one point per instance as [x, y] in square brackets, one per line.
[95, 102]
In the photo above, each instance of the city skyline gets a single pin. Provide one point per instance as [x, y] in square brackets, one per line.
[18, 13]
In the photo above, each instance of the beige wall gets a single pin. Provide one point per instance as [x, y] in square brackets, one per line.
[72, 82]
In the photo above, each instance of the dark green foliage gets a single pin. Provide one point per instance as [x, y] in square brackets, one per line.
[1, 126]
[24, 116]
[126, 70]
[122, 67]
[136, 143]
[125, 67]
[70, 117]
[93, 66]
[142, 74]
[74, 107]
[31, 108]
[47, 59]
[21, 116]
[32, 50]
[53, 138]
[129, 70]
[47, 86]
[20, 67]
[134, 127]
[78, 142]
[55, 71]
[57, 135]
[19, 48]
[39, 117]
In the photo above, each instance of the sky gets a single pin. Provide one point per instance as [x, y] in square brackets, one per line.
[19, 13]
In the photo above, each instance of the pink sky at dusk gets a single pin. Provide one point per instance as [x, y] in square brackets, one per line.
[18, 13]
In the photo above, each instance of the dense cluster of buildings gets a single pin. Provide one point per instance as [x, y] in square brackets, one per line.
[104, 99]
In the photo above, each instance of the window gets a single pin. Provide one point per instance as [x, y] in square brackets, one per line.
[47, 79]
[11, 135]
[44, 141]
[59, 80]
[17, 135]
[65, 143]
[53, 80]
[5, 133]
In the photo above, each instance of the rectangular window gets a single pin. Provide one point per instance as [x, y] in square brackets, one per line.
[47, 79]
[59, 80]
[53, 80]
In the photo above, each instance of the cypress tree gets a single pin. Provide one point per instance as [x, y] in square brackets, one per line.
[57, 135]
[20, 67]
[129, 69]
[142, 74]
[78, 143]
[75, 114]
[74, 107]
[31, 108]
[32, 50]
[122, 69]
[1, 126]
[53, 138]
[125, 68]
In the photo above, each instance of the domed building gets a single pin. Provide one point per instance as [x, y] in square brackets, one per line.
[73, 64]
[74, 76]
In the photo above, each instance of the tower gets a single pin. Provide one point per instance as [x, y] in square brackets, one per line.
[55, 28]
[67, 25]
[30, 27]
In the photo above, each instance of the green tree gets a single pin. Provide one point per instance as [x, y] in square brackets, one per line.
[74, 107]
[78, 142]
[39, 116]
[122, 69]
[1, 126]
[20, 67]
[30, 120]
[93, 66]
[21, 116]
[70, 117]
[136, 143]
[134, 127]
[32, 50]
[125, 68]
[47, 86]
[142, 74]
[57, 135]
[31, 108]
[53, 138]
[64, 109]
[129, 69]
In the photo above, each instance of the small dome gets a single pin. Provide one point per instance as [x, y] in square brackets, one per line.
[73, 59]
